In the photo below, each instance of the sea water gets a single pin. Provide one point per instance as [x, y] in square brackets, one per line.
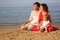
[21, 14]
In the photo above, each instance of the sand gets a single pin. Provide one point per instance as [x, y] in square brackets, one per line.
[17, 34]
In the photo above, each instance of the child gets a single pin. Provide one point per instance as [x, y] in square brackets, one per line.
[45, 23]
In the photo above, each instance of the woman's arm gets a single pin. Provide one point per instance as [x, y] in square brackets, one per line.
[48, 24]
[50, 18]
[38, 19]
[40, 23]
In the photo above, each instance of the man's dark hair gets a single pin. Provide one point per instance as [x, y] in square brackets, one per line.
[37, 3]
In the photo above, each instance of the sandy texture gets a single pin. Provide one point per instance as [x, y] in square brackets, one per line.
[16, 34]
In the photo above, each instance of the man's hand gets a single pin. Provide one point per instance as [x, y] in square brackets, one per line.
[27, 21]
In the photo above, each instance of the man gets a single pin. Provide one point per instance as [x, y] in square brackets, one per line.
[33, 20]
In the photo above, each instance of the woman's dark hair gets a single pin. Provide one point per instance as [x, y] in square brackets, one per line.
[45, 7]
[37, 3]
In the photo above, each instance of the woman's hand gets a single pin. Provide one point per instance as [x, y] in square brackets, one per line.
[48, 25]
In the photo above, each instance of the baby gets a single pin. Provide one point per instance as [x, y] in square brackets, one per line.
[45, 23]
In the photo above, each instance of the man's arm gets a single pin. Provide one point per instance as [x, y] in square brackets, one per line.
[29, 20]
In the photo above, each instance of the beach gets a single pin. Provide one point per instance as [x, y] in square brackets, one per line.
[12, 17]
[17, 34]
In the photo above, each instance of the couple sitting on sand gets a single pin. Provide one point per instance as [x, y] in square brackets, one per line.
[40, 18]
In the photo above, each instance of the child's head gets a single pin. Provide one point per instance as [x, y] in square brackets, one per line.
[36, 5]
[44, 7]
[46, 17]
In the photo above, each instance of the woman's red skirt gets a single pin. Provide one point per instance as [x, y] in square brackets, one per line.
[36, 28]
[51, 28]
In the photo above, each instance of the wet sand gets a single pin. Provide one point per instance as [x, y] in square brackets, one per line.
[17, 34]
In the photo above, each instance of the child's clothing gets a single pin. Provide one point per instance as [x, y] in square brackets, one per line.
[44, 24]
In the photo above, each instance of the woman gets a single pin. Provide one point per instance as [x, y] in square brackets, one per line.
[43, 11]
[33, 20]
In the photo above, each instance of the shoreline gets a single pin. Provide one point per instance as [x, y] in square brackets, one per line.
[17, 25]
